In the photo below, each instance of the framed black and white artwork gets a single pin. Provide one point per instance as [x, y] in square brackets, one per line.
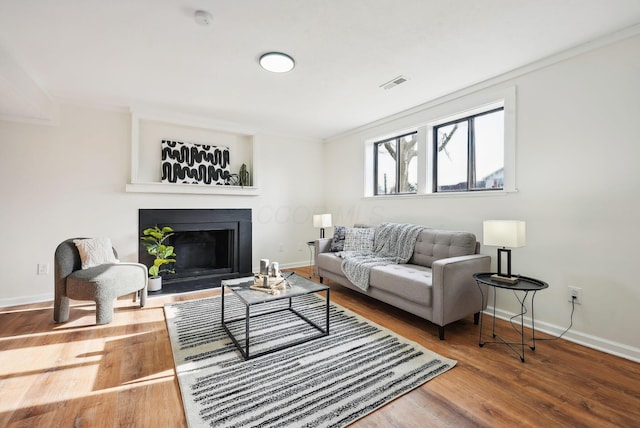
[192, 163]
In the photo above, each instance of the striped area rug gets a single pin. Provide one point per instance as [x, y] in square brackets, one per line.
[327, 382]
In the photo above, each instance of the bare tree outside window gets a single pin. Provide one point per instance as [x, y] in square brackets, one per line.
[469, 153]
[386, 171]
[405, 152]
[396, 165]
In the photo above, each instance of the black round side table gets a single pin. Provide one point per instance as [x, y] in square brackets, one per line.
[526, 285]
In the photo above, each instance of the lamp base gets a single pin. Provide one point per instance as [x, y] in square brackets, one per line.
[506, 279]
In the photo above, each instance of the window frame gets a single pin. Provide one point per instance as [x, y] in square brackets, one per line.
[375, 145]
[471, 152]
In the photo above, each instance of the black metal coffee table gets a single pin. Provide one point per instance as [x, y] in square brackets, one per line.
[254, 303]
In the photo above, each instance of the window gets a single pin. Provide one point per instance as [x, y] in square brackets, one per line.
[469, 153]
[452, 149]
[396, 165]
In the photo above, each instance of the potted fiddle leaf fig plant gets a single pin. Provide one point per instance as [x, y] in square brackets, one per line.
[153, 240]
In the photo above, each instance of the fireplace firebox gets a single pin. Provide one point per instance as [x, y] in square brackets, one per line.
[210, 245]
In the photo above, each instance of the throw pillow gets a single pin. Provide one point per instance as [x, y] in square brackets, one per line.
[337, 243]
[359, 239]
[94, 252]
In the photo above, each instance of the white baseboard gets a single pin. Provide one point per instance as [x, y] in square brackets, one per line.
[26, 300]
[590, 341]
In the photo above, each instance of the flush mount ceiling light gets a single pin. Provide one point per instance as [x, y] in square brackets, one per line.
[277, 62]
[203, 17]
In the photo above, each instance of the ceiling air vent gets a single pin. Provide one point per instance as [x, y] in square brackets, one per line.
[394, 82]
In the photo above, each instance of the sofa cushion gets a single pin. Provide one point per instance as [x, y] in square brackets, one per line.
[337, 243]
[411, 282]
[434, 244]
[359, 239]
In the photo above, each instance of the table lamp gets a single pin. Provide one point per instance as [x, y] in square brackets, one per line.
[322, 221]
[504, 233]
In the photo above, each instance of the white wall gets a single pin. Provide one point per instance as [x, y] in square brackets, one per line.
[578, 181]
[69, 180]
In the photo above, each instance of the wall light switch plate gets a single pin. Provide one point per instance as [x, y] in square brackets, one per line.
[43, 269]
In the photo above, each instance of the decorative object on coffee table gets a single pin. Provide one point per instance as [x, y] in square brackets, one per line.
[269, 284]
[264, 267]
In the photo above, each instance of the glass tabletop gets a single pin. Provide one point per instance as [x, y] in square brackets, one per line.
[298, 286]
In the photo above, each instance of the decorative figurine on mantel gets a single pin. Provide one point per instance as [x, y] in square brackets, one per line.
[241, 178]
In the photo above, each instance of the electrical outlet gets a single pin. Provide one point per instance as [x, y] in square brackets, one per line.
[281, 247]
[575, 294]
[43, 268]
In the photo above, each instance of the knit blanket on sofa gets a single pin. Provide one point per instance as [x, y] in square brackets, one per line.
[393, 243]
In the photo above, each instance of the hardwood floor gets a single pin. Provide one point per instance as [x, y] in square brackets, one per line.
[121, 374]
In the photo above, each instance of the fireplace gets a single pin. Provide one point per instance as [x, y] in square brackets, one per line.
[210, 245]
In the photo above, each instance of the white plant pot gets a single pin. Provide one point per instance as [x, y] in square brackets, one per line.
[155, 283]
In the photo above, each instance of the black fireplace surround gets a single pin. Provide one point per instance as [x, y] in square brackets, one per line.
[210, 245]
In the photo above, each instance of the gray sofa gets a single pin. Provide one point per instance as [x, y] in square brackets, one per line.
[436, 283]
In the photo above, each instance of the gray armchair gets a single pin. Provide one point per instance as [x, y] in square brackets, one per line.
[102, 284]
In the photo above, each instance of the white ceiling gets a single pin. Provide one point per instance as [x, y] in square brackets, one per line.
[127, 53]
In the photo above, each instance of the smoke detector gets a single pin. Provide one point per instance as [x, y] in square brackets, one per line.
[394, 82]
[203, 17]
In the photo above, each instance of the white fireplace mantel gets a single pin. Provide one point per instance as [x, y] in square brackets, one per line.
[192, 189]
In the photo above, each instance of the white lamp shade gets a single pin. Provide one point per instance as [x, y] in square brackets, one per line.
[322, 220]
[504, 233]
